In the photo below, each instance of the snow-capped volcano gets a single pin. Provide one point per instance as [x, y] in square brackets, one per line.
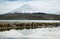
[25, 9]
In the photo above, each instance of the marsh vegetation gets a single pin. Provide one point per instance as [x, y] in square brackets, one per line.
[27, 25]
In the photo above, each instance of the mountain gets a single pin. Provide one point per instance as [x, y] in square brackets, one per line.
[28, 12]
[25, 9]
[28, 16]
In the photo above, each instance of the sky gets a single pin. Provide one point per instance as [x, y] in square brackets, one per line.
[47, 6]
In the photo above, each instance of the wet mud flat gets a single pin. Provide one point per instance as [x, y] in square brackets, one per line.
[6, 26]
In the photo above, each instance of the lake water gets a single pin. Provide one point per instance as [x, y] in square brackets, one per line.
[30, 20]
[39, 33]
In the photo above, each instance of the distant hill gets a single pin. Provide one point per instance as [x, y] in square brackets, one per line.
[29, 16]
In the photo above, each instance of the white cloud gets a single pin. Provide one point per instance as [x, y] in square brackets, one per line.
[9, 6]
[47, 6]
[51, 6]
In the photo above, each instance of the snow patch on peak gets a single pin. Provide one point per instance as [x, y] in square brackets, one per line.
[25, 8]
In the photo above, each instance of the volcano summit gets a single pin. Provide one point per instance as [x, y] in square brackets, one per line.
[26, 8]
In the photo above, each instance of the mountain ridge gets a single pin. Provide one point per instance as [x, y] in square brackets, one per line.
[29, 16]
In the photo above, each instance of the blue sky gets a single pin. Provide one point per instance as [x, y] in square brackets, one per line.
[48, 6]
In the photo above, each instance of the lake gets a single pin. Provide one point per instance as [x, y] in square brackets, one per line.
[39, 33]
[29, 20]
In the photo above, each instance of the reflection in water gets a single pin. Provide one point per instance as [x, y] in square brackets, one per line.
[42, 33]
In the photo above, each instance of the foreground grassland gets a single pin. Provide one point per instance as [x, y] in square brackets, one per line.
[29, 25]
